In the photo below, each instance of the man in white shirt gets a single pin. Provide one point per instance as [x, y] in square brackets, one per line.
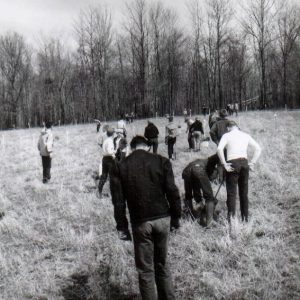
[237, 167]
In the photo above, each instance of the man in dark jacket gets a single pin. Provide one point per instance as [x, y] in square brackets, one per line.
[219, 127]
[151, 133]
[197, 176]
[195, 131]
[154, 204]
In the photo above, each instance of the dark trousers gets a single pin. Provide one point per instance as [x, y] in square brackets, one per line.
[151, 249]
[46, 162]
[108, 165]
[196, 185]
[154, 144]
[191, 141]
[171, 143]
[238, 178]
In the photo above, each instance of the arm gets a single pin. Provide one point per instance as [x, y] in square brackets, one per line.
[257, 151]
[213, 134]
[50, 143]
[201, 129]
[220, 152]
[171, 190]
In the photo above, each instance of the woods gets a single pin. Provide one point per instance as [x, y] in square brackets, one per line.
[154, 62]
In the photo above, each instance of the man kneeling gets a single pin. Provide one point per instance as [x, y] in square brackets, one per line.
[197, 176]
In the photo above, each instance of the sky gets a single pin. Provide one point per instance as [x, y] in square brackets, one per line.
[41, 18]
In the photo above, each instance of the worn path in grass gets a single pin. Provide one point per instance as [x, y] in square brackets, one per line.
[58, 241]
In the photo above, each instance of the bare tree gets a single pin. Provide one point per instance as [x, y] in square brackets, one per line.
[258, 23]
[15, 68]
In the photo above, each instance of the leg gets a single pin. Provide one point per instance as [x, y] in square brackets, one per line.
[243, 191]
[161, 228]
[48, 167]
[118, 203]
[231, 187]
[104, 175]
[144, 253]
[188, 187]
[44, 164]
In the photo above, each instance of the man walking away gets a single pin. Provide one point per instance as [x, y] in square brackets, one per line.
[237, 167]
[151, 134]
[45, 146]
[196, 129]
[219, 127]
[109, 153]
[171, 133]
[154, 204]
[197, 176]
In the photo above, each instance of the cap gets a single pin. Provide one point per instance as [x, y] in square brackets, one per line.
[223, 113]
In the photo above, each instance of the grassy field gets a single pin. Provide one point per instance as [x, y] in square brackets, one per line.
[58, 241]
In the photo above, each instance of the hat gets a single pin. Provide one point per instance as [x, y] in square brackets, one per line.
[138, 140]
[110, 130]
[223, 113]
[119, 130]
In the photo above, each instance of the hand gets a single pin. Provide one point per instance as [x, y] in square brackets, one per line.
[174, 224]
[228, 167]
[51, 154]
[251, 166]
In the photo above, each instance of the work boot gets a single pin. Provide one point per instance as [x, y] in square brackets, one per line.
[210, 207]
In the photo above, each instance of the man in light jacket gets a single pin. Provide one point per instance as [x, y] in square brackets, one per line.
[237, 167]
[45, 146]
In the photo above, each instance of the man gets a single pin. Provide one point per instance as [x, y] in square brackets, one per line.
[120, 144]
[45, 146]
[237, 167]
[213, 118]
[154, 204]
[197, 176]
[109, 153]
[195, 131]
[219, 127]
[121, 124]
[171, 133]
[108, 169]
[151, 134]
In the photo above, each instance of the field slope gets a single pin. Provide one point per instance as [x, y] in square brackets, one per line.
[58, 241]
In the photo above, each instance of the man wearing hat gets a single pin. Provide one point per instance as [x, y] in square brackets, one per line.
[154, 204]
[45, 147]
[237, 167]
[170, 137]
[108, 151]
[219, 127]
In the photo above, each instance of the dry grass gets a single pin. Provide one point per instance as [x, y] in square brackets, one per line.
[58, 241]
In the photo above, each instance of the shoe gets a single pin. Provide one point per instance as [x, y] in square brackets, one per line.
[45, 180]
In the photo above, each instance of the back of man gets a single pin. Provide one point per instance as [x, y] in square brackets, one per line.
[219, 127]
[152, 197]
[151, 133]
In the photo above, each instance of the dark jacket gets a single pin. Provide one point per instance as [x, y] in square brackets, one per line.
[151, 131]
[148, 186]
[198, 173]
[218, 129]
[196, 126]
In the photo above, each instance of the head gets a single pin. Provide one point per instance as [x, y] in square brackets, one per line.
[119, 132]
[149, 122]
[110, 131]
[48, 124]
[212, 167]
[223, 113]
[139, 142]
[171, 119]
[231, 125]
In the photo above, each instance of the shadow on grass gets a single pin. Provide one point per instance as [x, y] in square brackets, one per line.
[94, 286]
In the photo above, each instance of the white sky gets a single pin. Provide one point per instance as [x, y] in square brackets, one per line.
[36, 18]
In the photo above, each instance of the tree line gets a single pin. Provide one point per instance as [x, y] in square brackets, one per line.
[153, 64]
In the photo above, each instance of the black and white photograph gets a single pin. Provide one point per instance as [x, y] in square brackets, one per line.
[149, 149]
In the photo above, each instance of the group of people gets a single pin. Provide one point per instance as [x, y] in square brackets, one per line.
[144, 183]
